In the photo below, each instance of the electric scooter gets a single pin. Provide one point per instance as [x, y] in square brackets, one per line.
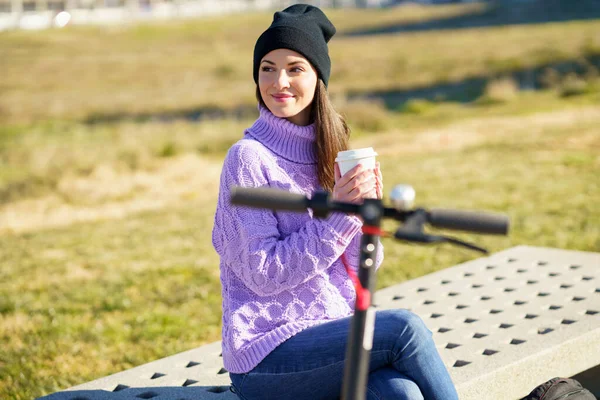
[372, 211]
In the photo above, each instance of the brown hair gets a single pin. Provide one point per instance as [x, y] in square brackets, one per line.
[331, 130]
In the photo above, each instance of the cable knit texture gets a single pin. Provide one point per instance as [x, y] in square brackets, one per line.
[280, 271]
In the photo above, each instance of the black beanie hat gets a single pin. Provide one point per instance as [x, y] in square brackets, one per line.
[302, 28]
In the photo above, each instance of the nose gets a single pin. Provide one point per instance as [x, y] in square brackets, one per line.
[283, 80]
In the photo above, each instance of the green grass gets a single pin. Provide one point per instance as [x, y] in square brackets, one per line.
[106, 211]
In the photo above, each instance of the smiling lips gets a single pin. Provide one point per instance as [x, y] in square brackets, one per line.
[282, 97]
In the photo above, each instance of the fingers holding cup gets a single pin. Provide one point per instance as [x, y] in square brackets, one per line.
[379, 181]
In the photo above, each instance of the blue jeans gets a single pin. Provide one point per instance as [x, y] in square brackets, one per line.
[404, 364]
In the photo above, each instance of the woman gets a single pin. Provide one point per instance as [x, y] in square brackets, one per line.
[287, 299]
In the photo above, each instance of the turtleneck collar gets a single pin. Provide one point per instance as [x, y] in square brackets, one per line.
[290, 141]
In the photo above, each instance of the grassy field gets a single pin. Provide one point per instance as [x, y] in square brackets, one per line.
[112, 139]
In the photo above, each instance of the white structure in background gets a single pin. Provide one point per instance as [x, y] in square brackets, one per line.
[43, 14]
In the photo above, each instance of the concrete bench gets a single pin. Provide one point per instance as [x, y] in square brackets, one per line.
[503, 324]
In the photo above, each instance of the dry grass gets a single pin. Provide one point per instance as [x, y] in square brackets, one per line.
[107, 194]
[490, 131]
[127, 71]
[500, 90]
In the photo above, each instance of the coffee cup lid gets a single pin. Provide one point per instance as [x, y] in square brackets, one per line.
[355, 154]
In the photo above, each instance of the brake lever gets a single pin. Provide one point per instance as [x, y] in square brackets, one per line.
[416, 236]
[411, 235]
[465, 244]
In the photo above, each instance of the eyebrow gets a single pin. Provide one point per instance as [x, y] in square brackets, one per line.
[292, 63]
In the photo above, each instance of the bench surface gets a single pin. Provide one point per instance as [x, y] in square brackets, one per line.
[502, 324]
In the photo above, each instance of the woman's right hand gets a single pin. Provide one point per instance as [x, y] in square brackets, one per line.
[355, 186]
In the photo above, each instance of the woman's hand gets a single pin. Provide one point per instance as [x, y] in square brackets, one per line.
[358, 184]
[379, 187]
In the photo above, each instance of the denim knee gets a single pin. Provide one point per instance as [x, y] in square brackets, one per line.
[409, 322]
[406, 330]
[389, 384]
[411, 392]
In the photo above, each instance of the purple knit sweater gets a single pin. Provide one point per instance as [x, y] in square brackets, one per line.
[280, 271]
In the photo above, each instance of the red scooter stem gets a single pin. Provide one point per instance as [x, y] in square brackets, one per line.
[360, 339]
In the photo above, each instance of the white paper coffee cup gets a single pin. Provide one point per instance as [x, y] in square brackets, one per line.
[347, 160]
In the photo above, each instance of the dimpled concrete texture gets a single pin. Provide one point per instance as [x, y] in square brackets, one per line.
[506, 323]
[195, 374]
[502, 324]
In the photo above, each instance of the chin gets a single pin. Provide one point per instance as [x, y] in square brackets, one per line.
[283, 112]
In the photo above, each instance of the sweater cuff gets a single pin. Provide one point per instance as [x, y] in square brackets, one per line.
[345, 226]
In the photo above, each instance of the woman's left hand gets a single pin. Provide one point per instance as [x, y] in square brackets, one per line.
[377, 192]
[379, 182]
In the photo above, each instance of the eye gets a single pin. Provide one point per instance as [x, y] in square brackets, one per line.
[297, 69]
[266, 69]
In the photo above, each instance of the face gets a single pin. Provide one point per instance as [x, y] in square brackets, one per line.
[287, 83]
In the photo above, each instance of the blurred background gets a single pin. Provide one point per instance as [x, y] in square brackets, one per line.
[115, 116]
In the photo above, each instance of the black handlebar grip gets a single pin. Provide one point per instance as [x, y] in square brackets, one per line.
[274, 199]
[471, 221]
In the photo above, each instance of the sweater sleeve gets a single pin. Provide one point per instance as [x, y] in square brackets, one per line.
[250, 244]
